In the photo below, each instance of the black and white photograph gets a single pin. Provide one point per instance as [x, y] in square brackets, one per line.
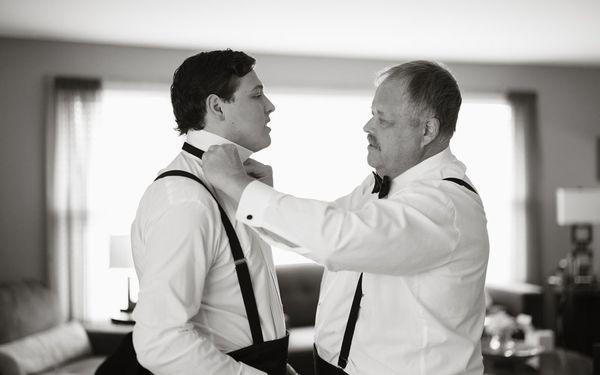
[300, 188]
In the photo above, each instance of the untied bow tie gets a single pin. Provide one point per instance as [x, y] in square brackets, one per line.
[382, 185]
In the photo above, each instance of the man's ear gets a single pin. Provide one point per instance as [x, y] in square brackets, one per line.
[213, 107]
[430, 131]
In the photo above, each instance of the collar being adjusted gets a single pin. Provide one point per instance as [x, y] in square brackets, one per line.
[202, 140]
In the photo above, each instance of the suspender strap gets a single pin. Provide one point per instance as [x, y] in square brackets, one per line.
[461, 183]
[241, 266]
[347, 341]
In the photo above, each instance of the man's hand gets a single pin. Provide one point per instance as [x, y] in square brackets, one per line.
[260, 171]
[224, 170]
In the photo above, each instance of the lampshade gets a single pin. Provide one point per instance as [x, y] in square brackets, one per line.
[120, 252]
[578, 206]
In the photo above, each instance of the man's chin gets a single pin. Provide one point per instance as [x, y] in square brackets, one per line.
[266, 143]
[373, 160]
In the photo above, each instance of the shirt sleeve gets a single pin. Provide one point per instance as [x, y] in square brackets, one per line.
[410, 232]
[179, 251]
[280, 242]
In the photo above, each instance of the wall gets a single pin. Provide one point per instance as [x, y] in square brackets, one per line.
[569, 122]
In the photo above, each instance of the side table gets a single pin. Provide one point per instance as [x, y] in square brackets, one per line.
[577, 318]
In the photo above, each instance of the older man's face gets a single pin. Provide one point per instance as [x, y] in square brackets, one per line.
[394, 135]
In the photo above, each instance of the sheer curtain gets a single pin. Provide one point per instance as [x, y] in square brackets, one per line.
[73, 113]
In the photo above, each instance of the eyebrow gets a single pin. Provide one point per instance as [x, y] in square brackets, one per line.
[257, 87]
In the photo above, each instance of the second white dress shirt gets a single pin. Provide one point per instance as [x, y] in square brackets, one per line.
[423, 251]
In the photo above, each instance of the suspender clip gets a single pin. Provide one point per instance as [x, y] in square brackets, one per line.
[239, 261]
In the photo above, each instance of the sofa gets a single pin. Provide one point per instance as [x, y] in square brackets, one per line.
[34, 339]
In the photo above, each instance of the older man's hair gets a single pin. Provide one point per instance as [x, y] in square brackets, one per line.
[432, 91]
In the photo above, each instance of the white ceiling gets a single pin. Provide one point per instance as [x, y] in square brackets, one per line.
[501, 31]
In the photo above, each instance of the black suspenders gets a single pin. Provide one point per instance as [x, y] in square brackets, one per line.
[462, 183]
[354, 309]
[350, 325]
[241, 267]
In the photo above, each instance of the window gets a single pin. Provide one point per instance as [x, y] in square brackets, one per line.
[318, 151]
[135, 140]
[485, 142]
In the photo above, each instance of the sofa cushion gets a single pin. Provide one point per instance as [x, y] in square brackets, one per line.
[301, 339]
[26, 307]
[48, 349]
[299, 286]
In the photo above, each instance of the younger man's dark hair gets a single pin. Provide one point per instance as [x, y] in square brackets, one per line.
[214, 72]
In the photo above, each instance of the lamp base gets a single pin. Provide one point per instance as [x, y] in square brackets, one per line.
[130, 303]
[580, 269]
[123, 318]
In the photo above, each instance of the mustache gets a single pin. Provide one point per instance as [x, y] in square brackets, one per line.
[372, 140]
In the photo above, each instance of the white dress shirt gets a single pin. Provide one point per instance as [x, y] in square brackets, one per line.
[423, 251]
[190, 310]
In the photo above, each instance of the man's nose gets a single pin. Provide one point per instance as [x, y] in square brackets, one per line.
[270, 107]
[367, 126]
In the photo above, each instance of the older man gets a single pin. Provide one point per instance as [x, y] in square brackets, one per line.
[406, 252]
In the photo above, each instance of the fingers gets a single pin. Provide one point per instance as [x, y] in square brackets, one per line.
[254, 166]
[251, 163]
[259, 171]
[225, 149]
[224, 159]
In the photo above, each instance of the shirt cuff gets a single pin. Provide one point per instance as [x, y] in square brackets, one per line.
[254, 202]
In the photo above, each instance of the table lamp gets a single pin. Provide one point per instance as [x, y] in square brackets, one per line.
[579, 208]
[120, 258]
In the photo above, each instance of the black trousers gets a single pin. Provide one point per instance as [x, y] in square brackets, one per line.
[322, 367]
[269, 357]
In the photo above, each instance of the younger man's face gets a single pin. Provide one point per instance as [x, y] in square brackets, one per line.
[247, 114]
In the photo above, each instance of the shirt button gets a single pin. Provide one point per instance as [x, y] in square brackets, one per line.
[249, 217]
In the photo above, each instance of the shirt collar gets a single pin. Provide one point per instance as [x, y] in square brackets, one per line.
[441, 165]
[203, 140]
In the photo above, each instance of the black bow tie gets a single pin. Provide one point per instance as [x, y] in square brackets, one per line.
[382, 185]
